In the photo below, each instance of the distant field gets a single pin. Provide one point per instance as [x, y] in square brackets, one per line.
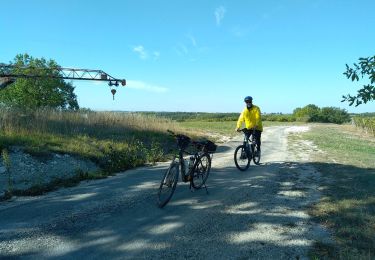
[226, 128]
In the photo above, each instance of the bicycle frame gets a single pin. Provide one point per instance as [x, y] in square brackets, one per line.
[181, 163]
[249, 142]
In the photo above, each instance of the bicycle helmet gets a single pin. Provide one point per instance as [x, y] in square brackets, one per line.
[248, 98]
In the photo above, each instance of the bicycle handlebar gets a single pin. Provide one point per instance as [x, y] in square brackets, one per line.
[177, 135]
[171, 132]
[245, 130]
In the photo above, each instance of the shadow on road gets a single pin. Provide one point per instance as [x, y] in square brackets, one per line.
[260, 213]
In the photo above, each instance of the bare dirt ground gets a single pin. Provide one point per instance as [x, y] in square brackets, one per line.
[257, 214]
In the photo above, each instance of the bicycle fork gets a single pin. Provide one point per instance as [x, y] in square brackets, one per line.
[248, 150]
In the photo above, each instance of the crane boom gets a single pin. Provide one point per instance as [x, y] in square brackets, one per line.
[9, 73]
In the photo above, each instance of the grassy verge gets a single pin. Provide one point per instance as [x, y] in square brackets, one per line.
[93, 135]
[114, 141]
[347, 207]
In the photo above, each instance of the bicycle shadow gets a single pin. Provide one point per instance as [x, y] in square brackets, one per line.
[222, 148]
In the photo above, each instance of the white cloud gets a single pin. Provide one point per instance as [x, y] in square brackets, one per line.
[183, 49]
[219, 14]
[135, 84]
[141, 51]
[192, 39]
[189, 48]
[144, 54]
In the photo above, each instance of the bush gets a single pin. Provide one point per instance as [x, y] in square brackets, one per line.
[312, 113]
[334, 115]
[126, 156]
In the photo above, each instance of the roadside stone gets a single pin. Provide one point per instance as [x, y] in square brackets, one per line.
[27, 171]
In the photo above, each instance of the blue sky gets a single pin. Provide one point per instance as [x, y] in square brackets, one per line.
[199, 55]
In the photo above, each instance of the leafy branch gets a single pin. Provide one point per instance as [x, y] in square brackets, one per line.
[365, 68]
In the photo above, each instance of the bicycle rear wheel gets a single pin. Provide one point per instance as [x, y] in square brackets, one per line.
[168, 185]
[200, 171]
[241, 158]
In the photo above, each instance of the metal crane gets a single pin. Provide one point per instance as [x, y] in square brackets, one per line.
[9, 74]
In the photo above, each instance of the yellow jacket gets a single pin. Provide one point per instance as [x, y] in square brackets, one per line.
[251, 117]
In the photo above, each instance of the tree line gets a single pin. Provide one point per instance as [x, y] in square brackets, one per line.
[309, 113]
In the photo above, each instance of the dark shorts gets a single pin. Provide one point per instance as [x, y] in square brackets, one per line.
[257, 136]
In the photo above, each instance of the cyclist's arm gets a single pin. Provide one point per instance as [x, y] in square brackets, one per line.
[257, 118]
[240, 121]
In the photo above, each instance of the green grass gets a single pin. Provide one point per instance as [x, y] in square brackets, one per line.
[347, 207]
[344, 144]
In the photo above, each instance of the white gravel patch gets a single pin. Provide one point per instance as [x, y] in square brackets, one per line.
[27, 171]
[297, 129]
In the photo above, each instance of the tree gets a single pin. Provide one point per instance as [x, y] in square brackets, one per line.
[365, 68]
[41, 92]
[309, 113]
[312, 113]
[334, 115]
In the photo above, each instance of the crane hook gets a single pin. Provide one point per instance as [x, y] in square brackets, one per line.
[113, 91]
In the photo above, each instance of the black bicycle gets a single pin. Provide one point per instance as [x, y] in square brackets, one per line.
[194, 170]
[247, 151]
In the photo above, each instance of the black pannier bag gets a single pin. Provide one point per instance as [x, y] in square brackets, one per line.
[210, 146]
[183, 141]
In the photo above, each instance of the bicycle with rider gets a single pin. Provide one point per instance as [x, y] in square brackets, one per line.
[251, 116]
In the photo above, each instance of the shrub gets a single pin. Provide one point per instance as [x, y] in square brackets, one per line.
[312, 113]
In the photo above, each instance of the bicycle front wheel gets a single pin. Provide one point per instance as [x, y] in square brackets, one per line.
[256, 156]
[168, 185]
[200, 171]
[241, 158]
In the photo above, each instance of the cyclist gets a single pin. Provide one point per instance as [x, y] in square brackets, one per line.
[252, 117]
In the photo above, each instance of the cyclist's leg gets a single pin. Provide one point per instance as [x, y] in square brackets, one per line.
[248, 134]
[257, 135]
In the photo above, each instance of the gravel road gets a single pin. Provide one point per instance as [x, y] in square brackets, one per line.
[257, 214]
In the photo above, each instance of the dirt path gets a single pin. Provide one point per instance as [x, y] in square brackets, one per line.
[260, 213]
